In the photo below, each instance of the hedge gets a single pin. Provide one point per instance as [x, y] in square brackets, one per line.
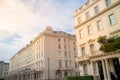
[81, 78]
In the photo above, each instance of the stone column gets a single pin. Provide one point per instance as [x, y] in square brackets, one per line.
[119, 59]
[21, 77]
[30, 76]
[33, 76]
[97, 68]
[27, 76]
[92, 68]
[107, 68]
[38, 76]
[104, 70]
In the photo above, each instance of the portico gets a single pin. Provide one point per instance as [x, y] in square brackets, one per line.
[107, 63]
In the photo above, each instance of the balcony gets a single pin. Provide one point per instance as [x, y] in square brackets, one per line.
[39, 69]
[66, 68]
[83, 58]
[88, 56]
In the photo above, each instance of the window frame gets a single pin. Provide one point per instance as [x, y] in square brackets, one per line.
[108, 3]
[87, 14]
[66, 64]
[94, 68]
[79, 20]
[96, 9]
[81, 33]
[92, 47]
[60, 64]
[85, 69]
[59, 40]
[83, 51]
[59, 46]
[90, 31]
[99, 25]
[112, 19]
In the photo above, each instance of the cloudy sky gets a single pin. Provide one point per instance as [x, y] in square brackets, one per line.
[22, 20]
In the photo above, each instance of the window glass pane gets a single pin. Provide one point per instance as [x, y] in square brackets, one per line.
[87, 15]
[79, 20]
[81, 33]
[65, 54]
[58, 40]
[59, 46]
[91, 47]
[99, 24]
[85, 69]
[83, 51]
[112, 19]
[60, 64]
[96, 9]
[64, 40]
[108, 3]
[64, 46]
[66, 64]
[94, 68]
[89, 29]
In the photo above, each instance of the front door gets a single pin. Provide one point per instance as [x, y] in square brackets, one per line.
[100, 70]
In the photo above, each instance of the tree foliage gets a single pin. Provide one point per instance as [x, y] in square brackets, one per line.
[110, 44]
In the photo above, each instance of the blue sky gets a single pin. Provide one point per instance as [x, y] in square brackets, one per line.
[22, 20]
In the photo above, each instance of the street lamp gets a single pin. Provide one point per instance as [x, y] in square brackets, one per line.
[48, 70]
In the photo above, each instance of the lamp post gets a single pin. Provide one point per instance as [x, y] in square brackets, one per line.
[48, 70]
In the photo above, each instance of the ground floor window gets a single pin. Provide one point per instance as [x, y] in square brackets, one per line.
[94, 68]
[85, 69]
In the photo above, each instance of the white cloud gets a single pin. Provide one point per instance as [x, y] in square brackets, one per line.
[26, 18]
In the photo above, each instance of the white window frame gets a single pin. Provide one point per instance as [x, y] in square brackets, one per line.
[112, 19]
[90, 29]
[66, 64]
[99, 25]
[96, 9]
[79, 20]
[87, 15]
[59, 46]
[94, 68]
[81, 33]
[108, 3]
[60, 64]
[85, 70]
[92, 47]
[83, 51]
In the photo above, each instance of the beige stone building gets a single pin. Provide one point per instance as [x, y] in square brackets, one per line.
[94, 19]
[42, 59]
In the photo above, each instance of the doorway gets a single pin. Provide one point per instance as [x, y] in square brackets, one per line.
[100, 69]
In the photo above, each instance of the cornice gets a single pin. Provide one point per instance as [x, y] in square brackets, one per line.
[91, 40]
[116, 31]
[76, 14]
[83, 44]
[60, 35]
[102, 12]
